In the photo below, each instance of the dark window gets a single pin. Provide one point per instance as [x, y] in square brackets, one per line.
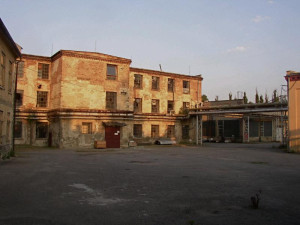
[43, 71]
[154, 131]
[155, 106]
[186, 105]
[18, 129]
[171, 85]
[186, 87]
[170, 106]
[1, 125]
[42, 98]
[10, 76]
[2, 68]
[137, 130]
[20, 70]
[155, 83]
[111, 100]
[41, 130]
[185, 132]
[138, 81]
[268, 129]
[111, 72]
[86, 128]
[137, 105]
[170, 131]
[19, 97]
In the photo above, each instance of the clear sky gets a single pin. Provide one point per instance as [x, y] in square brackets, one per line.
[237, 45]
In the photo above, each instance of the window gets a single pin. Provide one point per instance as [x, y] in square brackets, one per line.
[1, 126]
[154, 131]
[155, 106]
[10, 77]
[138, 81]
[41, 130]
[111, 72]
[111, 100]
[170, 131]
[185, 132]
[137, 105]
[170, 106]
[18, 129]
[42, 99]
[186, 105]
[19, 97]
[43, 71]
[171, 85]
[86, 128]
[137, 130]
[155, 83]
[186, 87]
[2, 65]
[20, 70]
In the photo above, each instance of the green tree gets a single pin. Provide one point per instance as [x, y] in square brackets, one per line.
[261, 99]
[275, 96]
[230, 96]
[204, 98]
[256, 97]
[245, 98]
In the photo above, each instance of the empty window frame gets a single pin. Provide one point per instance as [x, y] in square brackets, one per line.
[137, 105]
[186, 105]
[18, 129]
[171, 131]
[41, 130]
[170, 106]
[20, 71]
[2, 68]
[171, 83]
[111, 100]
[86, 128]
[155, 83]
[137, 130]
[154, 131]
[42, 99]
[186, 87]
[19, 97]
[138, 81]
[111, 72]
[185, 132]
[43, 71]
[155, 106]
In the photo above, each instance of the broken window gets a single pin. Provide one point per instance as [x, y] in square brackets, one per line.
[111, 72]
[186, 87]
[2, 68]
[155, 83]
[137, 130]
[137, 105]
[170, 106]
[41, 130]
[19, 97]
[20, 71]
[185, 132]
[155, 106]
[42, 98]
[43, 71]
[86, 128]
[111, 100]
[138, 81]
[171, 131]
[186, 105]
[171, 83]
[154, 131]
[18, 129]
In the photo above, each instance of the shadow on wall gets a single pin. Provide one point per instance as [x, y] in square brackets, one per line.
[294, 140]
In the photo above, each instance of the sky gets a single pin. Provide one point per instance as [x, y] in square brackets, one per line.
[236, 45]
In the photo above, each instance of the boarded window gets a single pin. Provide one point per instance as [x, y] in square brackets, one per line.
[111, 72]
[186, 87]
[86, 128]
[171, 83]
[41, 130]
[111, 100]
[137, 130]
[43, 71]
[18, 129]
[154, 131]
[170, 106]
[2, 68]
[171, 131]
[138, 81]
[186, 105]
[137, 105]
[20, 71]
[155, 83]
[155, 106]
[185, 132]
[42, 99]
[19, 97]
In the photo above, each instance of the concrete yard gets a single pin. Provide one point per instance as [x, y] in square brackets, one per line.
[151, 185]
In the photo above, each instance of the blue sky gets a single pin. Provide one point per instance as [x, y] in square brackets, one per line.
[237, 45]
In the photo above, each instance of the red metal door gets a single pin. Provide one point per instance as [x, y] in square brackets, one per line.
[112, 137]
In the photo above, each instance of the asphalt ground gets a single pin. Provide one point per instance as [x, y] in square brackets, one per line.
[155, 185]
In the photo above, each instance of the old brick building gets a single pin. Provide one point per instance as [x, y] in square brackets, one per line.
[74, 98]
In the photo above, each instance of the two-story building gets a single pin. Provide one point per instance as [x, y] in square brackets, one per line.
[74, 98]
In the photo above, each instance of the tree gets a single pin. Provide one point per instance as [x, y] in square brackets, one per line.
[204, 98]
[217, 98]
[261, 99]
[266, 98]
[230, 96]
[256, 97]
[245, 98]
[275, 96]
